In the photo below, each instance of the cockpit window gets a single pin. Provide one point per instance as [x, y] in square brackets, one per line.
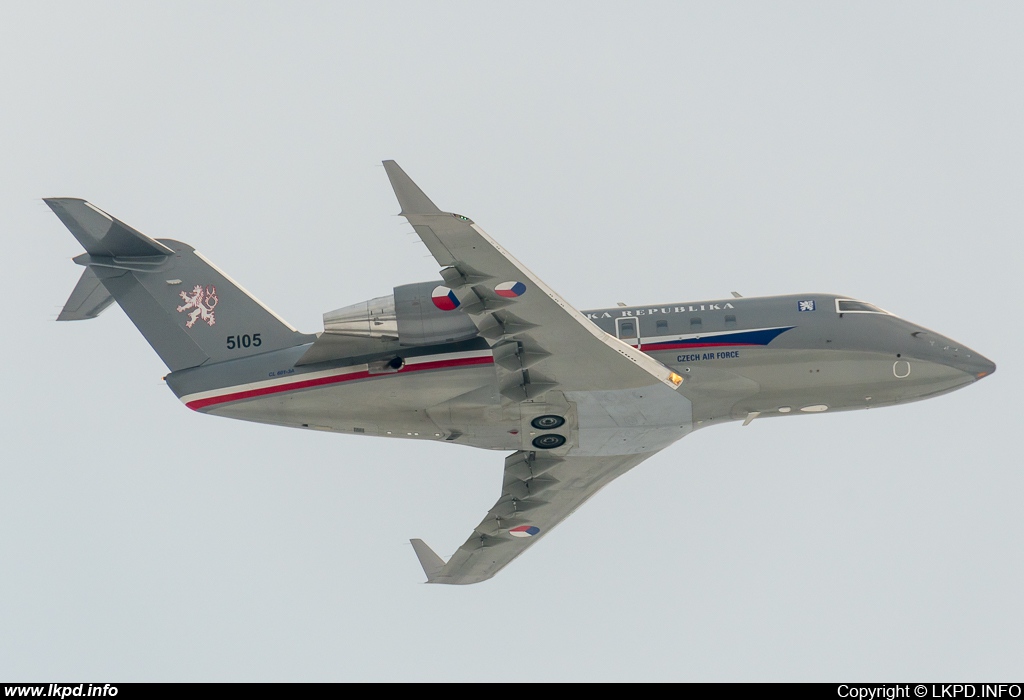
[852, 306]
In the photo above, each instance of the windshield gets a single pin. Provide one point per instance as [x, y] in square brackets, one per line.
[852, 306]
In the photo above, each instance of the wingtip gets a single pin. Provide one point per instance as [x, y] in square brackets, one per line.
[431, 563]
[410, 197]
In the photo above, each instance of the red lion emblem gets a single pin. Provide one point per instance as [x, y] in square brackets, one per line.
[201, 302]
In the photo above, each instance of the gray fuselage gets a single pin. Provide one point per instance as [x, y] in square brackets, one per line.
[740, 358]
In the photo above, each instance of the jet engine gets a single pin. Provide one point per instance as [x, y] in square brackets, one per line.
[407, 318]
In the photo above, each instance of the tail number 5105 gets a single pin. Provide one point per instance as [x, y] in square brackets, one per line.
[244, 341]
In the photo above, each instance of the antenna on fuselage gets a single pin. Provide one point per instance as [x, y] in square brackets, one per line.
[737, 295]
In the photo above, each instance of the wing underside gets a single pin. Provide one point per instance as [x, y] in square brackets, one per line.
[608, 406]
[537, 493]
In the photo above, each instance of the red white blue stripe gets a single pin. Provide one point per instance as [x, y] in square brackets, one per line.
[312, 380]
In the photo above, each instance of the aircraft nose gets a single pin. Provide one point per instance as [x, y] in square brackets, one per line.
[972, 363]
[987, 367]
[948, 352]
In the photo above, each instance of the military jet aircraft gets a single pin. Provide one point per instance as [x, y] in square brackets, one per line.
[490, 356]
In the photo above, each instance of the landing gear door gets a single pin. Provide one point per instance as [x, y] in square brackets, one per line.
[627, 330]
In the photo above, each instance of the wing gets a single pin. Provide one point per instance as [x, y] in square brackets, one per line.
[538, 492]
[617, 406]
[508, 303]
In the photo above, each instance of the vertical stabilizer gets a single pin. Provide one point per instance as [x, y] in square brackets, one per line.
[189, 310]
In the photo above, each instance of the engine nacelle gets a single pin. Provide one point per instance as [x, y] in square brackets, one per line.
[408, 316]
[367, 319]
[420, 322]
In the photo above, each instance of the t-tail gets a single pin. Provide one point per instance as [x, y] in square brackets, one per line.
[188, 309]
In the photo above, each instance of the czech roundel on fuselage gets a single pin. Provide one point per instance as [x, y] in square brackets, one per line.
[444, 298]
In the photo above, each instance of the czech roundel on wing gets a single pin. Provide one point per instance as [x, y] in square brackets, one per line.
[444, 298]
[510, 290]
[524, 531]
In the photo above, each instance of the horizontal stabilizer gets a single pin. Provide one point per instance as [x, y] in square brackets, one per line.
[431, 563]
[101, 234]
[88, 299]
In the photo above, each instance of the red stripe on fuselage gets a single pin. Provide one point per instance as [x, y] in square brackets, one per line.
[300, 384]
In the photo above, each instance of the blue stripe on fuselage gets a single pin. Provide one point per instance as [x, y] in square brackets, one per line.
[759, 337]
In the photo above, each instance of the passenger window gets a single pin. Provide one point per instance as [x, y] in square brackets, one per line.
[730, 321]
[661, 327]
[627, 329]
[695, 324]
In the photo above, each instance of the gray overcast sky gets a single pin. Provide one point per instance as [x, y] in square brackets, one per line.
[624, 152]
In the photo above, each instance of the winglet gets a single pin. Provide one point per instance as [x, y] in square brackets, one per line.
[410, 196]
[431, 563]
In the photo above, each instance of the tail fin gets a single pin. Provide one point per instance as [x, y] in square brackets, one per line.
[188, 310]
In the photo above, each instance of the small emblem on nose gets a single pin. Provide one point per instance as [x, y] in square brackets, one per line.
[806, 305]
